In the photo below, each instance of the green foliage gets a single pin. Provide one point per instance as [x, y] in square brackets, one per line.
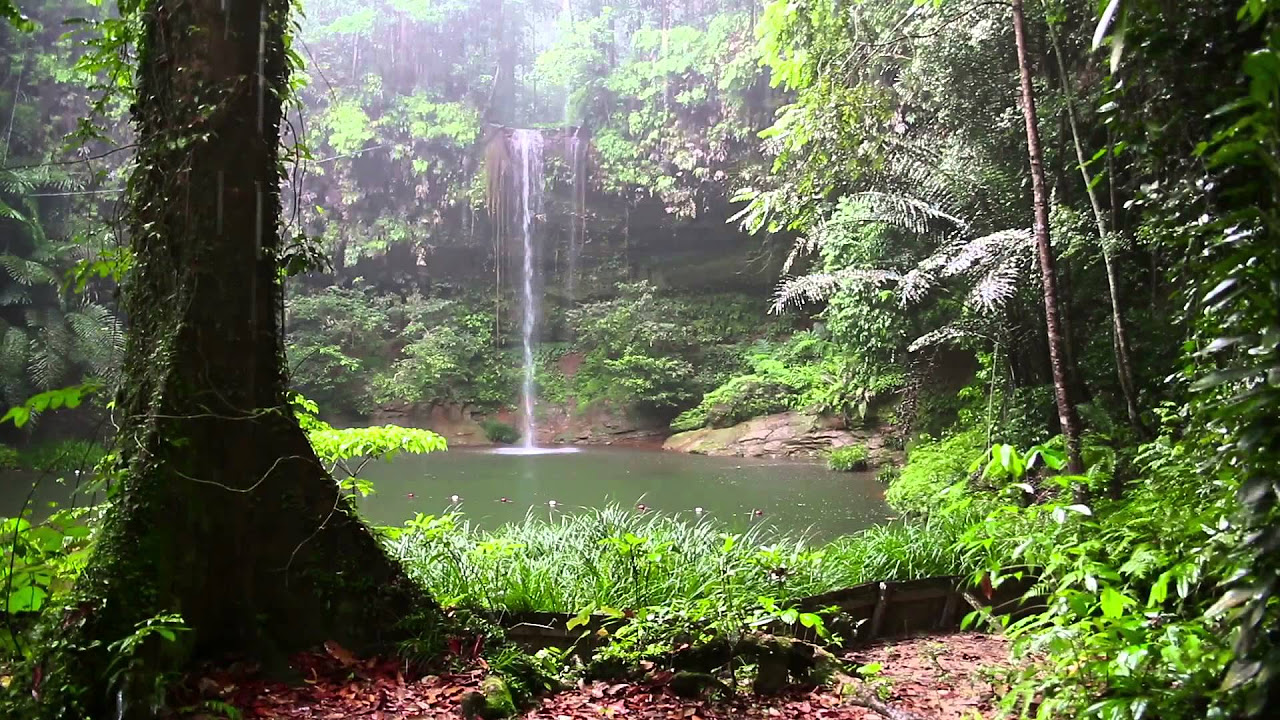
[806, 373]
[129, 666]
[888, 474]
[62, 456]
[1123, 583]
[1237, 343]
[41, 560]
[346, 451]
[671, 105]
[352, 349]
[626, 559]
[934, 466]
[851, 458]
[9, 458]
[654, 352]
[68, 397]
[742, 398]
[14, 16]
[496, 431]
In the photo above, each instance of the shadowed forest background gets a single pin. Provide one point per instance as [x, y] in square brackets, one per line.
[361, 329]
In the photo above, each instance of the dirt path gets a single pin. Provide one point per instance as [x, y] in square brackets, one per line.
[940, 677]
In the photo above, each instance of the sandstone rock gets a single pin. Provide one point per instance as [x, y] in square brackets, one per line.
[788, 434]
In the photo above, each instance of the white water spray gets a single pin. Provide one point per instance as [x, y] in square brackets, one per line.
[527, 147]
[574, 155]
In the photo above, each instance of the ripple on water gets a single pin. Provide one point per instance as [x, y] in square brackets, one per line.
[565, 450]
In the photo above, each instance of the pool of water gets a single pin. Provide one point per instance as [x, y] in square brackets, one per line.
[796, 496]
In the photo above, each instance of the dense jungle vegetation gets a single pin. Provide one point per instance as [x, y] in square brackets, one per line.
[1028, 246]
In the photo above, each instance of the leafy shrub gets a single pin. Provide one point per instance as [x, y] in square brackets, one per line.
[354, 348]
[652, 383]
[742, 398]
[499, 432]
[932, 467]
[9, 458]
[1123, 594]
[888, 474]
[851, 458]
[346, 451]
[806, 372]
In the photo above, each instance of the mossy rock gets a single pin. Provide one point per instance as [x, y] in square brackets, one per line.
[492, 702]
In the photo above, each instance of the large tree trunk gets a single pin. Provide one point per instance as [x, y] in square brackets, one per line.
[1119, 334]
[1068, 419]
[225, 515]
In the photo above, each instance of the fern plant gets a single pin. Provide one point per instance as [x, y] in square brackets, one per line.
[51, 338]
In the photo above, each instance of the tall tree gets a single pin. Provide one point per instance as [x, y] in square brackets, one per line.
[1068, 419]
[1119, 333]
[224, 516]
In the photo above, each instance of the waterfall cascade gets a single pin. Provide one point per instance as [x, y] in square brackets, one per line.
[575, 156]
[515, 167]
[527, 147]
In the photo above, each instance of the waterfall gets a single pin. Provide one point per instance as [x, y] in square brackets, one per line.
[527, 151]
[577, 218]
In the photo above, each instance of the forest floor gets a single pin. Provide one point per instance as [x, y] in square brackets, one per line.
[938, 677]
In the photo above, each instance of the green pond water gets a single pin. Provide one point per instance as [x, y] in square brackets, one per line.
[793, 496]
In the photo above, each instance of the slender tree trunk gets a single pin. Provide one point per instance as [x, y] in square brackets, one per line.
[1068, 419]
[1119, 334]
[225, 516]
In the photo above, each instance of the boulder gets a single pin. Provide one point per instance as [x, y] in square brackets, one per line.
[786, 434]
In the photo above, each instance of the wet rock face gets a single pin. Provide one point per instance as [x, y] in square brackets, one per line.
[597, 424]
[787, 434]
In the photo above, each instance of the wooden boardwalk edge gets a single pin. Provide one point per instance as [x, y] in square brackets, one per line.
[863, 614]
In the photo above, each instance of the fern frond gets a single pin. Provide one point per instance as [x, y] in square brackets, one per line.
[14, 295]
[995, 287]
[904, 211]
[99, 340]
[27, 272]
[942, 336]
[817, 287]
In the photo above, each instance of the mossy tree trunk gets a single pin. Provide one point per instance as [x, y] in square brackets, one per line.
[225, 516]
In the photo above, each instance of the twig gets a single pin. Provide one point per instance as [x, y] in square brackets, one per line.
[884, 709]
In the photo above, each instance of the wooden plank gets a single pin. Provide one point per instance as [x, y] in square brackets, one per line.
[948, 621]
[877, 617]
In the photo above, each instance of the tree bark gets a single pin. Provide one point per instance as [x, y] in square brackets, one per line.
[1119, 334]
[1068, 419]
[225, 515]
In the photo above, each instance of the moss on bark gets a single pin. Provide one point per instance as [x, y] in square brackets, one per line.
[223, 514]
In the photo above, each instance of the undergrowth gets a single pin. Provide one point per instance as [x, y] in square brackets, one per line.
[618, 557]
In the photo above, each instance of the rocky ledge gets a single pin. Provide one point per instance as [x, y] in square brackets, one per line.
[788, 434]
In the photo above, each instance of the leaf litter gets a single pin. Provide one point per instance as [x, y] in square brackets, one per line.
[953, 676]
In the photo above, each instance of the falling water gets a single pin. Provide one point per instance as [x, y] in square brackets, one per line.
[573, 153]
[527, 147]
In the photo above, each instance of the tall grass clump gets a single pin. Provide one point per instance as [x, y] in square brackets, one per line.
[621, 558]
